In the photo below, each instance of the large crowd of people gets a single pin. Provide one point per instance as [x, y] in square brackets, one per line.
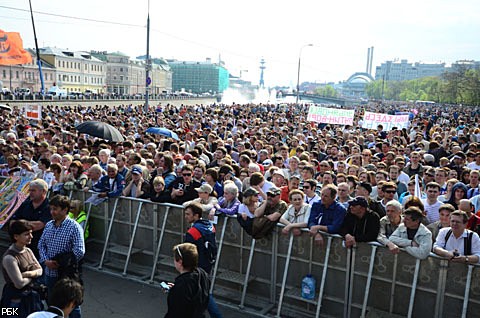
[415, 188]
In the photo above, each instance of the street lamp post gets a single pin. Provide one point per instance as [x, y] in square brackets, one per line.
[298, 71]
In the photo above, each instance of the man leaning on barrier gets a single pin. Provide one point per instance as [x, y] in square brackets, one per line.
[326, 215]
[360, 223]
[112, 184]
[413, 235]
[456, 242]
[389, 223]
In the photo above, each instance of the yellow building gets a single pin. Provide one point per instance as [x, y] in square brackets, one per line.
[76, 71]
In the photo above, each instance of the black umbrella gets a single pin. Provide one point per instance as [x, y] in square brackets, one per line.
[5, 107]
[100, 130]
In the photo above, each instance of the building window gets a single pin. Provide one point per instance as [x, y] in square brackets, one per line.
[63, 63]
[4, 73]
[17, 75]
[121, 77]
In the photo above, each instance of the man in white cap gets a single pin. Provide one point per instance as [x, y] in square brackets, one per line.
[278, 178]
[205, 199]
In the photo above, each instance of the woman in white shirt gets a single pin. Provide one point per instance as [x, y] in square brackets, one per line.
[297, 214]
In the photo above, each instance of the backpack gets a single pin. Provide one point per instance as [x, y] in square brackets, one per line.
[206, 246]
[467, 244]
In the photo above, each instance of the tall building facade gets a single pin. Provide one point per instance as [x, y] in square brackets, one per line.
[76, 71]
[401, 71]
[199, 77]
[127, 77]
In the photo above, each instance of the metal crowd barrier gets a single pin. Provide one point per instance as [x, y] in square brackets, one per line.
[133, 239]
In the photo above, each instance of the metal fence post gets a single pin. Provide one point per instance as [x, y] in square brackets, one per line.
[324, 276]
[219, 252]
[247, 274]
[414, 287]
[132, 239]
[285, 274]
[442, 281]
[159, 245]
[467, 291]
[369, 280]
[110, 225]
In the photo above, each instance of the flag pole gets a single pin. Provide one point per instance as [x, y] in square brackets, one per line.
[148, 64]
[39, 63]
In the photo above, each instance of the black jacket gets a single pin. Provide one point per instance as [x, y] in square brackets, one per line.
[189, 192]
[188, 298]
[364, 230]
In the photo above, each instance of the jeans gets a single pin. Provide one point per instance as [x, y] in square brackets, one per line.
[213, 308]
[50, 282]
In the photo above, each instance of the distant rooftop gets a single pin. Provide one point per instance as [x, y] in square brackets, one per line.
[68, 53]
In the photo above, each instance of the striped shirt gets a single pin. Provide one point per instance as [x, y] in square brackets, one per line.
[68, 237]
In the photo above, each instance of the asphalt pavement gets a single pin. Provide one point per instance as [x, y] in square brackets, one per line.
[117, 297]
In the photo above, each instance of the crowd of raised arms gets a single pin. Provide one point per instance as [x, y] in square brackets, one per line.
[405, 187]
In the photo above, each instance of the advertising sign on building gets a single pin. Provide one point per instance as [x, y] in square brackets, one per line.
[372, 120]
[331, 115]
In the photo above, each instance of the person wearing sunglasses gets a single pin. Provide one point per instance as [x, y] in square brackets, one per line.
[389, 190]
[183, 187]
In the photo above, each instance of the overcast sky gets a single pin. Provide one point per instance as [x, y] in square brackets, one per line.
[244, 32]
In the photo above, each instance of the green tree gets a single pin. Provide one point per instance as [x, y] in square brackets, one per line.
[326, 91]
[459, 86]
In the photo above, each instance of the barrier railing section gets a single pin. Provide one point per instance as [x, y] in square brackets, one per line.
[349, 283]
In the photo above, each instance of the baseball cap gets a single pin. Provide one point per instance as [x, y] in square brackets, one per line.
[205, 188]
[136, 170]
[279, 172]
[367, 186]
[249, 192]
[267, 162]
[358, 201]
[273, 191]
